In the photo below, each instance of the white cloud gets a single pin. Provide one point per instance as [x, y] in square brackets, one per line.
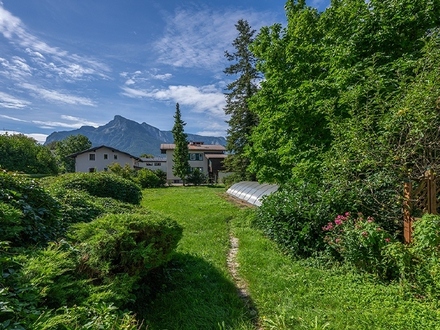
[81, 121]
[13, 118]
[15, 69]
[60, 62]
[198, 38]
[52, 95]
[40, 138]
[11, 102]
[202, 99]
[71, 122]
[162, 77]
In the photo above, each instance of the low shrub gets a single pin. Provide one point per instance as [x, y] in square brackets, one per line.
[197, 177]
[294, 215]
[418, 263]
[101, 184]
[146, 178]
[38, 222]
[360, 242]
[125, 243]
[80, 206]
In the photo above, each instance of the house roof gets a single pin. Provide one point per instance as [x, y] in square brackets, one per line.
[195, 147]
[100, 147]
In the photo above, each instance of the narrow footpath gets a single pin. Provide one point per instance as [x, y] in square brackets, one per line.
[240, 284]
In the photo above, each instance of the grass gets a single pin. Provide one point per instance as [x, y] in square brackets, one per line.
[197, 291]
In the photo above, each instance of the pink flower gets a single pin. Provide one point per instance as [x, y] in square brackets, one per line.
[370, 219]
[347, 214]
[364, 233]
[338, 222]
[328, 227]
[387, 240]
[337, 240]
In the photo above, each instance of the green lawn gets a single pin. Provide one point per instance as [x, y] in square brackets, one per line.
[197, 291]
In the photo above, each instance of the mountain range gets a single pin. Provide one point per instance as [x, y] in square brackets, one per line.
[129, 136]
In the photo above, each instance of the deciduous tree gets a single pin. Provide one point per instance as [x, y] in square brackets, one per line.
[68, 146]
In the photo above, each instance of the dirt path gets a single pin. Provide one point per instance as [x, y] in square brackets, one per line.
[240, 284]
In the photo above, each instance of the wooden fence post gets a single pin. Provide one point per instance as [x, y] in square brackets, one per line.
[432, 192]
[407, 219]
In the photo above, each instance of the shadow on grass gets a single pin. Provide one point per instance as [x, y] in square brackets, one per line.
[189, 293]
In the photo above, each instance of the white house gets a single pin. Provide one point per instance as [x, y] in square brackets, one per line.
[156, 163]
[99, 158]
[201, 156]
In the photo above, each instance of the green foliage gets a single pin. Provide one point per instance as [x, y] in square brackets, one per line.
[126, 243]
[68, 146]
[147, 178]
[242, 119]
[197, 177]
[10, 221]
[126, 172]
[417, 264]
[360, 242]
[180, 157]
[38, 222]
[101, 184]
[23, 154]
[294, 215]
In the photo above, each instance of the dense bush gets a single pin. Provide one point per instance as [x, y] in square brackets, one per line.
[38, 222]
[418, 263]
[80, 206]
[24, 154]
[360, 242]
[126, 243]
[294, 216]
[147, 178]
[101, 184]
[197, 177]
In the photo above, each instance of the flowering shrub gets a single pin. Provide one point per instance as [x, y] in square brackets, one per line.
[358, 241]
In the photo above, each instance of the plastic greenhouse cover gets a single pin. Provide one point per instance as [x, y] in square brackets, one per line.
[251, 191]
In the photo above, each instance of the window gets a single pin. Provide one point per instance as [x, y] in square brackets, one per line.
[91, 169]
[148, 164]
[105, 169]
[157, 164]
[105, 156]
[91, 156]
[115, 156]
[195, 156]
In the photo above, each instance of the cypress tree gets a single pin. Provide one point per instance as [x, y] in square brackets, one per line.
[181, 165]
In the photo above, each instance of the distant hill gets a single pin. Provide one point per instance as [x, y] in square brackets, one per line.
[129, 136]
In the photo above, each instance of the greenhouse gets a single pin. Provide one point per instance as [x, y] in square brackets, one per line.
[251, 192]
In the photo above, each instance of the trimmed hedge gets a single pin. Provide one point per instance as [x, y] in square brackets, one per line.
[126, 243]
[101, 184]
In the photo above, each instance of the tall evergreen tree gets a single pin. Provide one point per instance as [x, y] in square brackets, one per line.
[181, 165]
[242, 120]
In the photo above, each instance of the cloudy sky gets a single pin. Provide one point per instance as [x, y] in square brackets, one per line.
[69, 63]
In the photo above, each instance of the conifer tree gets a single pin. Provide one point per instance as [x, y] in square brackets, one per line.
[181, 154]
[242, 120]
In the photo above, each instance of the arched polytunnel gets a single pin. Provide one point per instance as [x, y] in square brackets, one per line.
[251, 192]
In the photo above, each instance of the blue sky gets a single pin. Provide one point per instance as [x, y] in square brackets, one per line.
[69, 63]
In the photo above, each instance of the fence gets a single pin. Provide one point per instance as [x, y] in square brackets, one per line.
[420, 197]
